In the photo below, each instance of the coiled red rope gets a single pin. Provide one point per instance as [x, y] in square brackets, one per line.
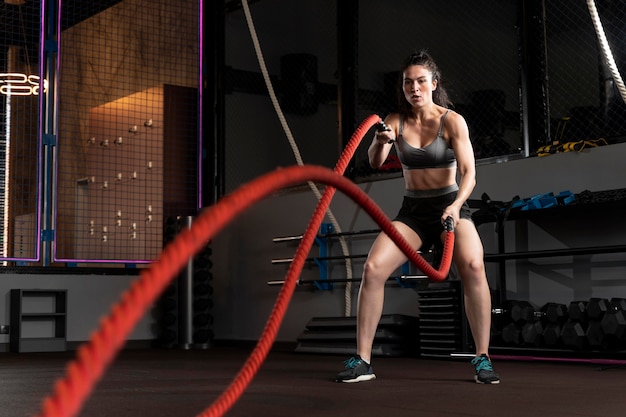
[95, 356]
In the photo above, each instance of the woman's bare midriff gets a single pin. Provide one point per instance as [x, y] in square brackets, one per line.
[429, 178]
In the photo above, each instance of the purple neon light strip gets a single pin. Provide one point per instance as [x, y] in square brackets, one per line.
[200, 97]
[592, 361]
[56, 83]
[200, 130]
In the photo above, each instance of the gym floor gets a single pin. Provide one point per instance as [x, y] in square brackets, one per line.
[178, 383]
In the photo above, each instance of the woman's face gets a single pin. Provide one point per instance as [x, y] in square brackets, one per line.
[418, 85]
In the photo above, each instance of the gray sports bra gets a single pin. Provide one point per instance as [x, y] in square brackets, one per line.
[435, 155]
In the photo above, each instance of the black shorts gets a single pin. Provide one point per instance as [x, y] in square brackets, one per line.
[422, 210]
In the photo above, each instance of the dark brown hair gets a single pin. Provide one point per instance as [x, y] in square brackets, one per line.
[423, 58]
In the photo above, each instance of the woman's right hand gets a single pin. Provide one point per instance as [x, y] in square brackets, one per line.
[384, 134]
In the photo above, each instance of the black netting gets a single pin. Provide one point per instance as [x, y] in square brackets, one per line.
[476, 50]
[128, 126]
[524, 75]
[584, 101]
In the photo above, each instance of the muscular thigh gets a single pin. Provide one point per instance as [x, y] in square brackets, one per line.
[385, 253]
[467, 244]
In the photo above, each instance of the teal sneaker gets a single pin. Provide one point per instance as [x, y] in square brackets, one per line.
[484, 370]
[356, 370]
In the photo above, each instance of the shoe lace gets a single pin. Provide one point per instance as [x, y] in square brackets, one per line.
[482, 363]
[353, 362]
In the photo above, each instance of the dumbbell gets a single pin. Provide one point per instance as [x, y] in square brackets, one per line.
[532, 333]
[573, 334]
[597, 307]
[614, 320]
[524, 326]
[560, 328]
[577, 311]
[555, 312]
[518, 311]
[607, 322]
[502, 327]
[554, 315]
[512, 334]
[550, 312]
[597, 323]
[530, 326]
[552, 334]
[618, 304]
[576, 332]
[524, 312]
[595, 335]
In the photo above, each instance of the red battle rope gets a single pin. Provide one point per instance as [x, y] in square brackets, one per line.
[96, 355]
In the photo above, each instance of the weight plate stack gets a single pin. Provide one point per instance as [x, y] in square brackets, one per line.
[396, 335]
[443, 326]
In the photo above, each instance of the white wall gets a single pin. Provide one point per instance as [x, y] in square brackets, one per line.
[89, 299]
[592, 169]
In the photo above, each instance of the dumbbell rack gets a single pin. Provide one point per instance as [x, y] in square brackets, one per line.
[591, 328]
[585, 338]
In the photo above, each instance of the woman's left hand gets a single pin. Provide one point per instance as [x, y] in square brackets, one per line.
[452, 212]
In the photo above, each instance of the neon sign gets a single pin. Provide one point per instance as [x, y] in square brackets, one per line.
[18, 84]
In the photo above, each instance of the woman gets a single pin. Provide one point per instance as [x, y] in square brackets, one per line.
[433, 146]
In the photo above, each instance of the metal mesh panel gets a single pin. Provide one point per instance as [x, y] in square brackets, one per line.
[128, 127]
[19, 107]
[584, 102]
[523, 74]
[476, 50]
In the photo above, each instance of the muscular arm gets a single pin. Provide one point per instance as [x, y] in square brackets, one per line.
[466, 164]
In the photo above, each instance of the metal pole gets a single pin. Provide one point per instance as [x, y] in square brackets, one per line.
[185, 300]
